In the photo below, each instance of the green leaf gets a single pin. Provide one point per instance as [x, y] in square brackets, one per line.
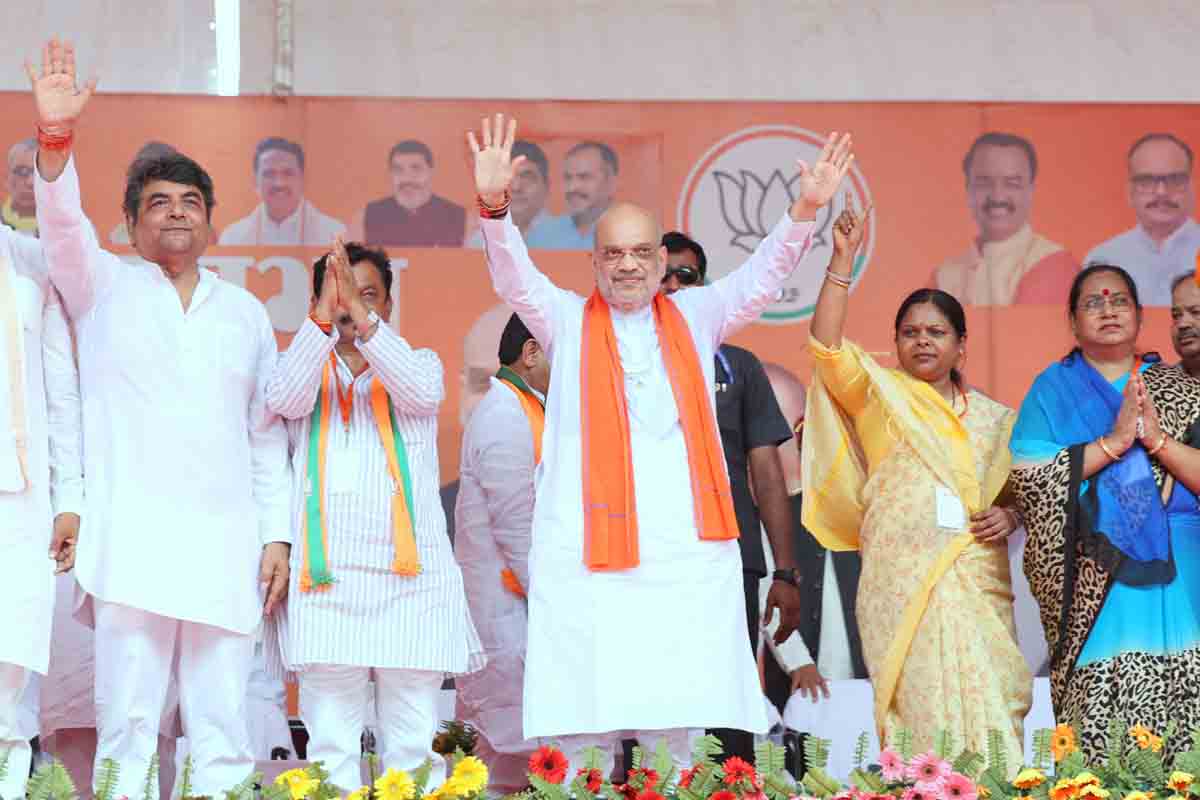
[1147, 765]
[1188, 761]
[1071, 766]
[995, 782]
[664, 764]
[110, 772]
[1042, 757]
[1116, 742]
[769, 758]
[778, 787]
[867, 781]
[816, 752]
[902, 743]
[185, 780]
[706, 750]
[552, 791]
[860, 750]
[997, 756]
[969, 763]
[4, 764]
[943, 744]
[819, 783]
[150, 785]
[420, 776]
[51, 782]
[243, 790]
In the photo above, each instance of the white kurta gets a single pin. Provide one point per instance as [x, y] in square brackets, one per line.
[51, 388]
[372, 617]
[662, 645]
[305, 226]
[492, 521]
[185, 469]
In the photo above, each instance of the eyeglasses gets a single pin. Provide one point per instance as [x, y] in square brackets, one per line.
[1147, 182]
[1094, 305]
[21, 172]
[643, 254]
[687, 276]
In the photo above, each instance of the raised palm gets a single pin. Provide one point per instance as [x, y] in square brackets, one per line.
[849, 228]
[818, 183]
[494, 164]
[59, 99]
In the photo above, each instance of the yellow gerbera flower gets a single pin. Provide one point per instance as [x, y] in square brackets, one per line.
[1181, 781]
[1141, 735]
[298, 782]
[1085, 778]
[470, 775]
[361, 793]
[1029, 778]
[1062, 742]
[1093, 790]
[395, 784]
[1139, 796]
[983, 792]
[1156, 744]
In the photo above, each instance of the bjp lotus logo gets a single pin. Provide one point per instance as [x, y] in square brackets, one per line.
[739, 191]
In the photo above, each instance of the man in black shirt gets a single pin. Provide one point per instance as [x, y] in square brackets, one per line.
[752, 427]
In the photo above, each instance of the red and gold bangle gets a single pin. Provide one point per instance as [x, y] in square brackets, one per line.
[494, 212]
[1104, 447]
[1162, 441]
[54, 139]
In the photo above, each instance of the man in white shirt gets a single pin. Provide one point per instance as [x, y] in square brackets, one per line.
[284, 216]
[1166, 238]
[500, 451]
[633, 500]
[41, 483]
[375, 587]
[826, 646]
[18, 212]
[186, 469]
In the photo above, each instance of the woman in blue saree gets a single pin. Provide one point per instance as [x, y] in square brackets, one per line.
[1107, 486]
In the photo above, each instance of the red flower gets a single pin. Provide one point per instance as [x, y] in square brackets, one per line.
[685, 777]
[645, 778]
[649, 794]
[736, 769]
[722, 794]
[549, 764]
[593, 777]
[628, 791]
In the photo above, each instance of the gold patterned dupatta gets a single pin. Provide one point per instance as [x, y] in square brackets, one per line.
[835, 474]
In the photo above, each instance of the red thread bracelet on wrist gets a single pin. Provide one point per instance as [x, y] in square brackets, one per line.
[494, 212]
[53, 140]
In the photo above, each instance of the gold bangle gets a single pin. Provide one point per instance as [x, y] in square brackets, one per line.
[1162, 441]
[1104, 447]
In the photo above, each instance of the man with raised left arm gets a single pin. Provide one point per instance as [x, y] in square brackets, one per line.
[637, 616]
[185, 468]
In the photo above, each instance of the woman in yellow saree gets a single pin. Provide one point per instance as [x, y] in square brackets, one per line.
[908, 465]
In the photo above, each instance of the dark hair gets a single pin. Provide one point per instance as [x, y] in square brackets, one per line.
[512, 341]
[951, 309]
[153, 149]
[356, 252]
[174, 167]
[676, 242]
[278, 143]
[411, 146]
[1178, 280]
[996, 139]
[535, 156]
[1092, 269]
[607, 153]
[1162, 137]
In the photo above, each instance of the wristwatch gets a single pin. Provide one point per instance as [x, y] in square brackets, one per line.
[791, 576]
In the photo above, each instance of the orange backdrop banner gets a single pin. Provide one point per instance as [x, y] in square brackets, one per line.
[722, 172]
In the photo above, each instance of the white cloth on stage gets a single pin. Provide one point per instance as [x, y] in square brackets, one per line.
[371, 617]
[14, 741]
[304, 226]
[493, 516]
[136, 653]
[588, 669]
[266, 709]
[333, 702]
[849, 712]
[52, 435]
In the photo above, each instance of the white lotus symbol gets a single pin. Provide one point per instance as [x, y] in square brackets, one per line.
[752, 206]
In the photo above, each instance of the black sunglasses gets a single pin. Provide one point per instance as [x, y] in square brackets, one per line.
[687, 276]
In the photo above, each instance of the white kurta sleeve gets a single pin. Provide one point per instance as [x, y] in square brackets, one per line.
[270, 470]
[504, 468]
[517, 281]
[79, 268]
[63, 412]
[729, 304]
[413, 378]
[293, 386]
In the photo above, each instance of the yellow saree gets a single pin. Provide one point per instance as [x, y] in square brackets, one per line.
[934, 607]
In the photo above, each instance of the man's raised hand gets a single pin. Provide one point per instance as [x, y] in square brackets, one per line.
[60, 100]
[494, 164]
[818, 183]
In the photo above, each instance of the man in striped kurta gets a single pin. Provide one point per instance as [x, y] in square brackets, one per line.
[375, 589]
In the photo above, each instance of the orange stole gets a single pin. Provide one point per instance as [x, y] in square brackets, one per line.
[537, 424]
[609, 512]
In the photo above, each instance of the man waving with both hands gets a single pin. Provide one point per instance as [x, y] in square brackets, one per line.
[634, 525]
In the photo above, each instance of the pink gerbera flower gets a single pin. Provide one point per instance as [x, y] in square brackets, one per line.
[959, 787]
[917, 793]
[928, 769]
[891, 765]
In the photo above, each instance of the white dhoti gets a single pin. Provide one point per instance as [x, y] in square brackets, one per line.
[333, 702]
[135, 653]
[15, 751]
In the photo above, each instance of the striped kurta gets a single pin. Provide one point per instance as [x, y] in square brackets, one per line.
[371, 617]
